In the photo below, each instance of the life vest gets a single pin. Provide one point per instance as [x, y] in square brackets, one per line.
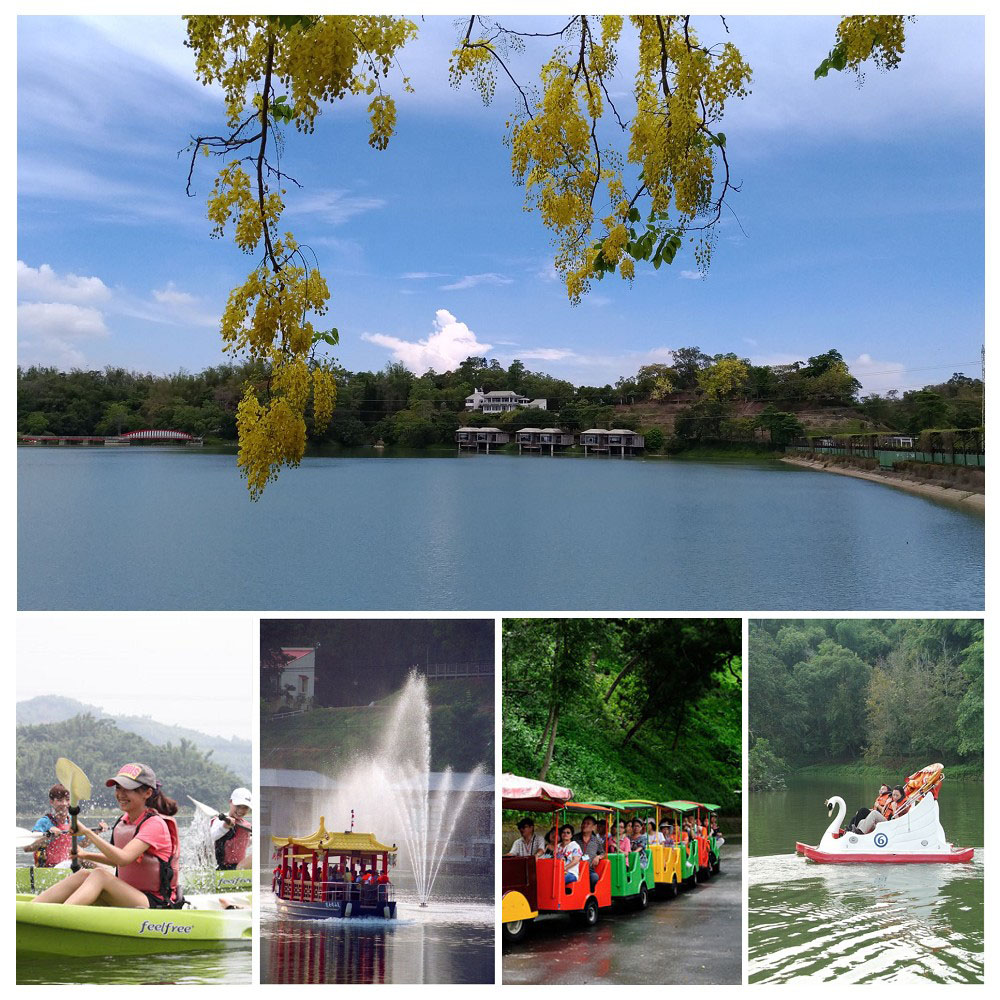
[149, 873]
[882, 802]
[896, 809]
[231, 848]
[58, 848]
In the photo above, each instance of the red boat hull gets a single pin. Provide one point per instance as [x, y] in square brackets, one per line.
[824, 857]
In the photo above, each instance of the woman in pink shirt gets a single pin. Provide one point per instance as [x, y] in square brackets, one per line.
[144, 850]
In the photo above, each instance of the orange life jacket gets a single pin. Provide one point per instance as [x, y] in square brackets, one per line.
[149, 873]
[882, 802]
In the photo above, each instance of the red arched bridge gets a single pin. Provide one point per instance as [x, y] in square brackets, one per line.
[128, 438]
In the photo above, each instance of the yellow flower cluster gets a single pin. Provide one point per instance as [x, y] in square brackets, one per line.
[309, 60]
[878, 37]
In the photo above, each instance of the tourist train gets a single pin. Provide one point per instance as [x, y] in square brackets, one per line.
[333, 875]
[534, 885]
[914, 835]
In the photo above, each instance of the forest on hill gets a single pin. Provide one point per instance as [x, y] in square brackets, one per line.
[233, 753]
[626, 707]
[695, 400]
[100, 747]
[896, 693]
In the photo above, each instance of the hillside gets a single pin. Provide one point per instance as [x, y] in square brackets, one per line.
[683, 748]
[321, 739]
[233, 754]
[100, 747]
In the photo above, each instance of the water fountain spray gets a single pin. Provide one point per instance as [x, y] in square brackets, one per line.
[393, 793]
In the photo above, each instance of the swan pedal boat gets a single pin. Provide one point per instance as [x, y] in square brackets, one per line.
[31, 880]
[917, 836]
[95, 931]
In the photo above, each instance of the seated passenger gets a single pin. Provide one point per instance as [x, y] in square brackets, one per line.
[568, 850]
[529, 844]
[883, 798]
[550, 843]
[591, 845]
[666, 834]
[899, 805]
[620, 842]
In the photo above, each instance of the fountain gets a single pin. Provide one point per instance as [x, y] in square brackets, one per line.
[391, 792]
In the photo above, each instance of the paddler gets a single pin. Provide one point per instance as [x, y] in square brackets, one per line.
[232, 833]
[144, 850]
[52, 849]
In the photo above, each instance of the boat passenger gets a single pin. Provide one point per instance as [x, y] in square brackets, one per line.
[144, 850]
[231, 833]
[53, 845]
[569, 851]
[899, 805]
[883, 798]
[591, 845]
[529, 844]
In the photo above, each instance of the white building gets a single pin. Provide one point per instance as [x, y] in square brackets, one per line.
[501, 401]
[298, 676]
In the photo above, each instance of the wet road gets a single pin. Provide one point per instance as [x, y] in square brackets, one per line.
[695, 938]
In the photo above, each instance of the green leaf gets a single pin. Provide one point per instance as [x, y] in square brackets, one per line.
[633, 215]
[721, 138]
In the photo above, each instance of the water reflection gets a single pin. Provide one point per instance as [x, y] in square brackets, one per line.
[449, 941]
[859, 923]
[308, 952]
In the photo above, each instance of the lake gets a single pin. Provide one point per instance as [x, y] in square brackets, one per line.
[861, 923]
[174, 529]
[448, 941]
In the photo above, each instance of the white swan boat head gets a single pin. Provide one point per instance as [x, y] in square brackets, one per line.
[915, 836]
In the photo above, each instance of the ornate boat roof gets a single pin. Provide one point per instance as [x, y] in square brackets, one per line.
[324, 840]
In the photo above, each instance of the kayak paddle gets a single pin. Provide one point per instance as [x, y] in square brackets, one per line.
[72, 776]
[207, 810]
[24, 838]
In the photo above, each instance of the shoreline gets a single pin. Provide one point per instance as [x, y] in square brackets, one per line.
[948, 494]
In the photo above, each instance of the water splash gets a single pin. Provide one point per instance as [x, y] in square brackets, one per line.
[391, 794]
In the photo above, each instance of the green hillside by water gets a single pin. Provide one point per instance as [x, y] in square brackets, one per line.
[323, 738]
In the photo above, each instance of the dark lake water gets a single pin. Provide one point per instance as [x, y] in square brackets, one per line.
[861, 923]
[153, 528]
[449, 941]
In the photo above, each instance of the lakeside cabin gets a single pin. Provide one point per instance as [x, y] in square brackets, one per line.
[475, 438]
[546, 438]
[601, 441]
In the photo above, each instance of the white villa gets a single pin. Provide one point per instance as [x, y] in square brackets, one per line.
[298, 676]
[501, 401]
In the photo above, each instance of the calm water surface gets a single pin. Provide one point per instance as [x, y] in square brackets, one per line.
[449, 941]
[160, 528]
[861, 923]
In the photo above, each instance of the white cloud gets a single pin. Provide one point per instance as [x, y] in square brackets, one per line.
[334, 207]
[692, 275]
[450, 343]
[546, 354]
[173, 296]
[472, 280]
[44, 284]
[422, 275]
[881, 376]
[52, 333]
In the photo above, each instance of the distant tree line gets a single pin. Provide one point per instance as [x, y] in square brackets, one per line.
[395, 406]
[887, 692]
[100, 748]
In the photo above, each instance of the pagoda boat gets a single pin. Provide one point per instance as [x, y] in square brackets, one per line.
[333, 875]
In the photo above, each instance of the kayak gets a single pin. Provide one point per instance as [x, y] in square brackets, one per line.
[93, 931]
[33, 880]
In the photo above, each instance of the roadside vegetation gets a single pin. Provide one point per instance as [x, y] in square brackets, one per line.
[623, 707]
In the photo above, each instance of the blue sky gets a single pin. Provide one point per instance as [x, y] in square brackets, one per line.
[863, 212]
